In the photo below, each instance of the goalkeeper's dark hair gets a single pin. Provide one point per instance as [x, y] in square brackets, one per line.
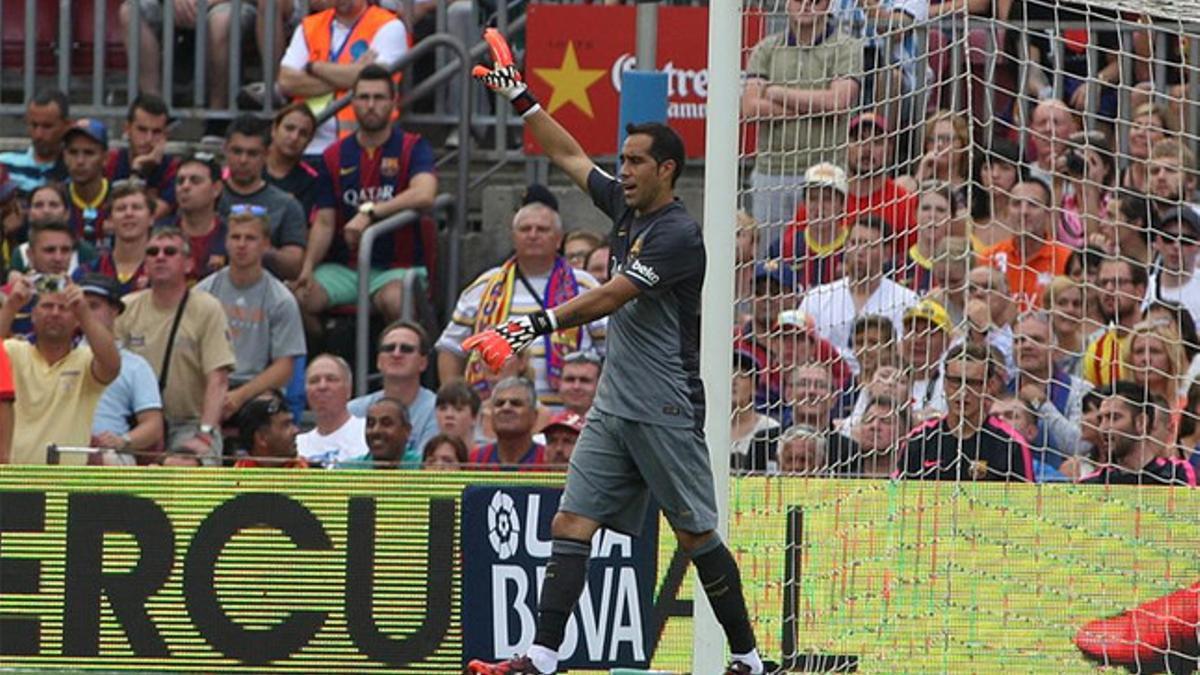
[665, 145]
[376, 73]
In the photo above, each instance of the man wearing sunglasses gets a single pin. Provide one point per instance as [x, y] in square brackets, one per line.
[403, 356]
[185, 336]
[264, 319]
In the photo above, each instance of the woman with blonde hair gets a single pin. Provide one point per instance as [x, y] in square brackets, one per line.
[1064, 299]
[1154, 357]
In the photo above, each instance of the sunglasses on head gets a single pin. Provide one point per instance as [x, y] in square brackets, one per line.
[587, 356]
[131, 182]
[402, 347]
[169, 251]
[252, 209]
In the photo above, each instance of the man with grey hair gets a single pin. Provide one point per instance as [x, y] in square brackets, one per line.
[339, 436]
[1055, 395]
[535, 278]
[514, 414]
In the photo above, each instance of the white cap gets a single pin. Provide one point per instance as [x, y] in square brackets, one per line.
[825, 174]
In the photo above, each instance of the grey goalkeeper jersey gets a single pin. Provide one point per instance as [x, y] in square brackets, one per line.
[652, 371]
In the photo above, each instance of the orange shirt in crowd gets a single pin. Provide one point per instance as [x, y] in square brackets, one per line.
[1027, 278]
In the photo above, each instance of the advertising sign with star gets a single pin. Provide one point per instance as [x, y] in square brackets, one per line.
[575, 55]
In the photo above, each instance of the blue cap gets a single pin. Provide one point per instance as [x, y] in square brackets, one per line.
[775, 271]
[90, 127]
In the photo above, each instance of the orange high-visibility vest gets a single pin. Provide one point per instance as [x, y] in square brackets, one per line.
[318, 35]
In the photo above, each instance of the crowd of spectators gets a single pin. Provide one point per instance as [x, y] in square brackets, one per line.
[919, 295]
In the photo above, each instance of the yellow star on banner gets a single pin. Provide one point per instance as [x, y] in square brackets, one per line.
[570, 82]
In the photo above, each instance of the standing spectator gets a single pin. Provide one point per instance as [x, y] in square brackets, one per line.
[1177, 242]
[458, 412]
[815, 246]
[865, 289]
[51, 249]
[47, 118]
[578, 244]
[561, 434]
[264, 319]
[85, 151]
[388, 436]
[246, 159]
[402, 359]
[327, 53]
[377, 172]
[1172, 174]
[801, 84]
[1129, 454]
[131, 218]
[1031, 258]
[285, 167]
[967, 443]
[1122, 285]
[339, 436]
[146, 157]
[754, 434]
[444, 453]
[268, 435]
[535, 277]
[184, 335]
[514, 414]
[1054, 396]
[129, 415]
[59, 383]
[198, 189]
[580, 377]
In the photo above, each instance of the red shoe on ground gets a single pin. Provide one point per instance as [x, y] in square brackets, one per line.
[1150, 637]
[516, 666]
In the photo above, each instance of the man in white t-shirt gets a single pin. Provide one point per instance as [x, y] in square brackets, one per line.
[326, 54]
[339, 436]
[1177, 242]
[865, 289]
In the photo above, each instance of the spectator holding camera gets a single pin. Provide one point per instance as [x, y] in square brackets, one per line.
[60, 383]
[1091, 170]
[51, 249]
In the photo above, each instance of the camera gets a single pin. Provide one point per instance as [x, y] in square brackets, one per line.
[50, 283]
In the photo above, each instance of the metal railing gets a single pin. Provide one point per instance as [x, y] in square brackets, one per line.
[362, 319]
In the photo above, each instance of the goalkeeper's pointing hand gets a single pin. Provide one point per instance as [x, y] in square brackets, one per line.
[503, 77]
[498, 344]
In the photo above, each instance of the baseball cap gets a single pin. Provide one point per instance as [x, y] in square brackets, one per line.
[536, 193]
[797, 319]
[873, 119]
[104, 287]
[90, 127]
[932, 311]
[1183, 214]
[566, 420]
[775, 271]
[825, 174]
[255, 415]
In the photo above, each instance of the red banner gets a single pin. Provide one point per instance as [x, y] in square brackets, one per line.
[575, 55]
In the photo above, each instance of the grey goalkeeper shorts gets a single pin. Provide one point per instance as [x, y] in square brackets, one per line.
[618, 463]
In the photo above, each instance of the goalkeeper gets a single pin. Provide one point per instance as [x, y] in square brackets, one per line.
[644, 434]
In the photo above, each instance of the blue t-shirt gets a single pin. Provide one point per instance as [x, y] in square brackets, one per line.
[134, 391]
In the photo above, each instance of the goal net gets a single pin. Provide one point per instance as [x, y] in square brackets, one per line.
[965, 366]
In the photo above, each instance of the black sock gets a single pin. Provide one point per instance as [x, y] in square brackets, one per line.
[565, 574]
[723, 586]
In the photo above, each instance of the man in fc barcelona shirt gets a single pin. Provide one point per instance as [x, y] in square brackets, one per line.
[146, 157]
[377, 172]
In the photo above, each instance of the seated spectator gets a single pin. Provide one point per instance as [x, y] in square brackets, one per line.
[458, 412]
[285, 167]
[444, 453]
[1063, 302]
[1128, 230]
[339, 436]
[878, 436]
[315, 71]
[1154, 358]
[773, 292]
[561, 434]
[1129, 454]
[533, 278]
[51, 249]
[953, 259]
[754, 434]
[47, 119]
[377, 172]
[1148, 127]
[198, 189]
[813, 248]
[1091, 170]
[146, 157]
[998, 170]
[802, 452]
[935, 222]
[268, 435]
[47, 204]
[865, 288]
[927, 335]
[264, 319]
[184, 335]
[86, 147]
[514, 405]
[402, 358]
[967, 443]
[1172, 174]
[388, 436]
[1078, 466]
[1122, 285]
[1022, 418]
[597, 263]
[1177, 242]
[131, 220]
[946, 158]
[59, 382]
[1054, 396]
[578, 244]
[246, 160]
[580, 377]
[1030, 258]
[129, 415]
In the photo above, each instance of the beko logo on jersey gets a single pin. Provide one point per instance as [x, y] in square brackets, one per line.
[644, 271]
[368, 194]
